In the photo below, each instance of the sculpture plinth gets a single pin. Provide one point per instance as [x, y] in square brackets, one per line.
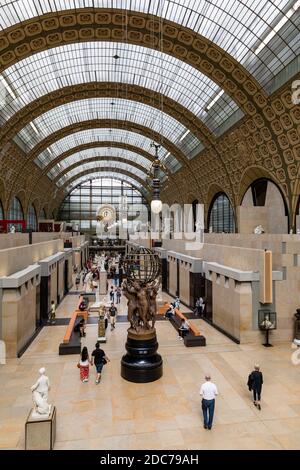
[101, 324]
[142, 363]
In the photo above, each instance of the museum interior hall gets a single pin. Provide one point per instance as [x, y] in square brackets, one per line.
[149, 225]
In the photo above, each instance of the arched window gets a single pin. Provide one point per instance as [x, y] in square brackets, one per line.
[15, 210]
[221, 216]
[81, 205]
[32, 219]
[1, 211]
[272, 212]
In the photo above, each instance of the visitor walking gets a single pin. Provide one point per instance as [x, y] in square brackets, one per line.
[208, 391]
[84, 365]
[77, 280]
[255, 382]
[118, 294]
[105, 319]
[99, 358]
[51, 318]
[112, 294]
[199, 306]
[112, 314]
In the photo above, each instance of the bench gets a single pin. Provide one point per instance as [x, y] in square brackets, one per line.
[193, 337]
[162, 309]
[71, 342]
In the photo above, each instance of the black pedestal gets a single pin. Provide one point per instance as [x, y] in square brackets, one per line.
[141, 364]
[267, 344]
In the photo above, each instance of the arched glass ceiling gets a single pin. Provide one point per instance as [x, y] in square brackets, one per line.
[108, 108]
[105, 174]
[105, 164]
[264, 36]
[109, 152]
[105, 135]
[74, 64]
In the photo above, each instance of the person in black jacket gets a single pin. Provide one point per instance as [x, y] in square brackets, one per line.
[255, 381]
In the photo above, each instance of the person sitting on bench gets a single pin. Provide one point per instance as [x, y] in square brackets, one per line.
[80, 327]
[183, 329]
[170, 312]
[83, 305]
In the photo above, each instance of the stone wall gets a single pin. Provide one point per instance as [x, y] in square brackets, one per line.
[184, 286]
[16, 259]
[18, 317]
[172, 276]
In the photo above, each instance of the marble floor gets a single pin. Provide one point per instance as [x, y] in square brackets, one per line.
[162, 415]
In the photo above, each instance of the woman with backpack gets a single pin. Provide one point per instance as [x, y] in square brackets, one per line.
[255, 382]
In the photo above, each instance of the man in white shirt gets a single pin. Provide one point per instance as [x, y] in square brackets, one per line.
[208, 391]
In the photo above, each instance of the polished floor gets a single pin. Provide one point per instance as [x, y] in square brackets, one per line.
[162, 415]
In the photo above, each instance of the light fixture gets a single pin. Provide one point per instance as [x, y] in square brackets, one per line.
[210, 105]
[156, 206]
[8, 87]
[156, 203]
[183, 136]
[33, 126]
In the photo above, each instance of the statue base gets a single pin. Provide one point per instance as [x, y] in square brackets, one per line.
[103, 282]
[141, 364]
[40, 432]
[101, 339]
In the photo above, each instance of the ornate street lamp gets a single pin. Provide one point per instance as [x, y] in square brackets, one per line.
[156, 203]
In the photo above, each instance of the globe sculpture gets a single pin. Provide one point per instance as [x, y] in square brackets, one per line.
[141, 363]
[142, 265]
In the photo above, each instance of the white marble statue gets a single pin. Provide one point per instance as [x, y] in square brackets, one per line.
[102, 262]
[89, 282]
[40, 395]
[259, 230]
[12, 229]
[266, 324]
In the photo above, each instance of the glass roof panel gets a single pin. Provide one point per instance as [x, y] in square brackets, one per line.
[105, 135]
[104, 164]
[107, 108]
[109, 152]
[74, 64]
[238, 26]
[105, 174]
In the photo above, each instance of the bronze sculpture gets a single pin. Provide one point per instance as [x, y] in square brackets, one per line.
[142, 307]
[141, 363]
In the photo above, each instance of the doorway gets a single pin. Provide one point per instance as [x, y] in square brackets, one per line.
[208, 311]
[66, 277]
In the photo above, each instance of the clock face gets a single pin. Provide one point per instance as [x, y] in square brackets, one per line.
[106, 214]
